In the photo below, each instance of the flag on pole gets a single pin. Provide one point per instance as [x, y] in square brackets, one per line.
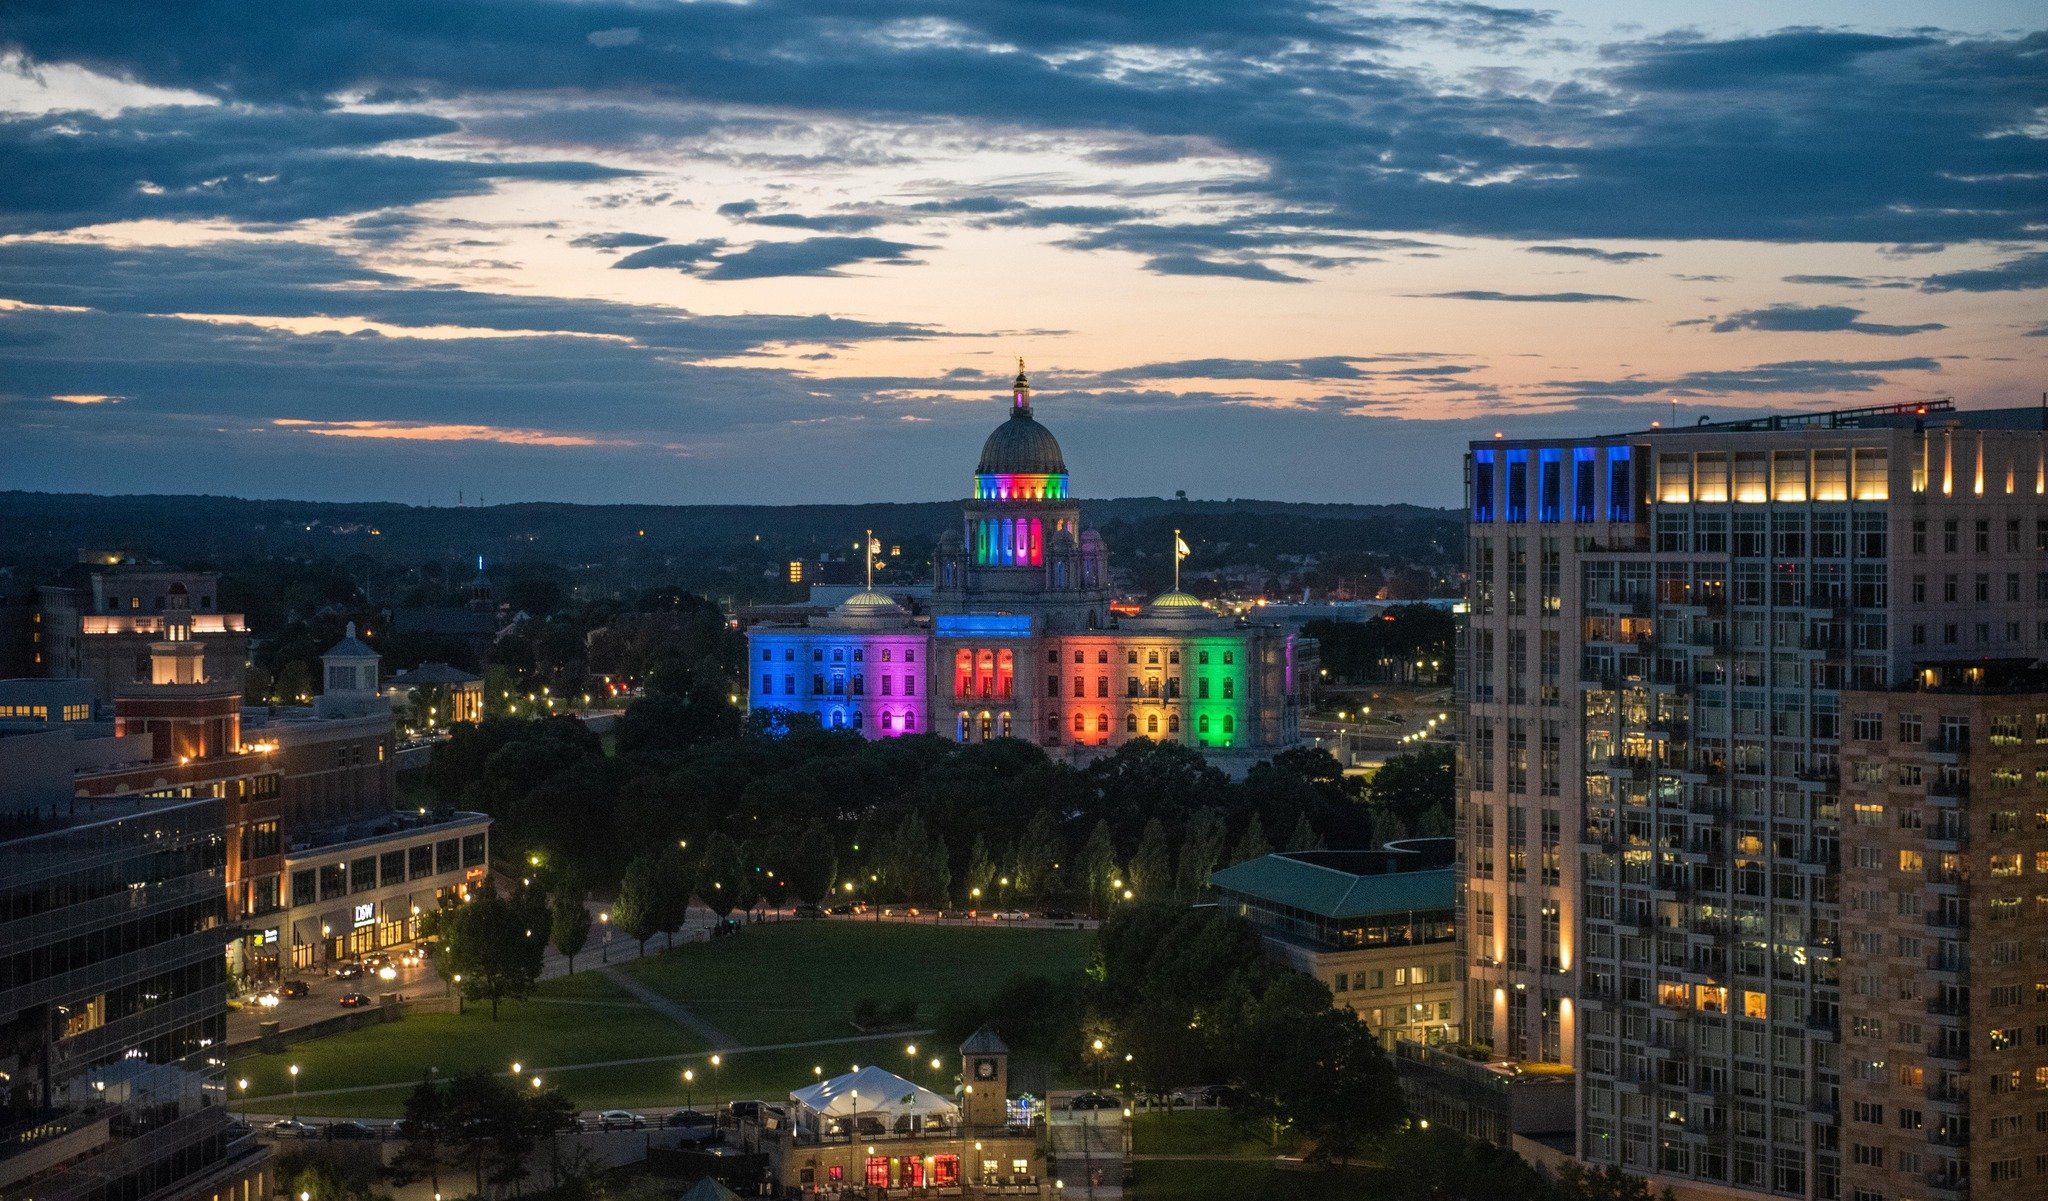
[1180, 546]
[874, 546]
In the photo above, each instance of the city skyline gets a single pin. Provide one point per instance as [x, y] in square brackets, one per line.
[764, 253]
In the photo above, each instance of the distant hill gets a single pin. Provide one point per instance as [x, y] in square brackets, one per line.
[43, 527]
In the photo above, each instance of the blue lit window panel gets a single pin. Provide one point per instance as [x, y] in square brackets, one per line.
[1621, 484]
[1585, 481]
[1482, 485]
[1549, 484]
[985, 625]
[1518, 485]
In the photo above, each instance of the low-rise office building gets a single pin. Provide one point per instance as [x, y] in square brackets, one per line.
[362, 887]
[1378, 927]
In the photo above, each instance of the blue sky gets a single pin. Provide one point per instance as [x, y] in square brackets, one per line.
[788, 250]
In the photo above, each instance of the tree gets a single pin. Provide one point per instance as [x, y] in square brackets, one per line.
[1098, 867]
[493, 944]
[1252, 844]
[1576, 1182]
[674, 882]
[1386, 828]
[811, 866]
[638, 907]
[1315, 1068]
[1033, 861]
[569, 924]
[981, 872]
[719, 872]
[1442, 1165]
[1304, 837]
[427, 1131]
[1151, 871]
[1201, 852]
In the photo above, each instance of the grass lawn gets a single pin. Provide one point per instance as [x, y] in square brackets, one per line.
[1228, 1180]
[792, 981]
[1201, 1132]
[742, 1075]
[776, 983]
[579, 1019]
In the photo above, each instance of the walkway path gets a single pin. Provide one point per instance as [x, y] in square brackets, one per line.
[602, 1063]
[673, 1010]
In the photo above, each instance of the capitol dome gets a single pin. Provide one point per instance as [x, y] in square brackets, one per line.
[1175, 603]
[1021, 446]
[868, 604]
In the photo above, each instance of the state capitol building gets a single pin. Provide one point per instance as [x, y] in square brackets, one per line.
[1021, 641]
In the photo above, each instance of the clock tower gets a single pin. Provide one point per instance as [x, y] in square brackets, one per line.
[985, 1080]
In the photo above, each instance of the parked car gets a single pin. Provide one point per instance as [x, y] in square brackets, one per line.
[689, 1119]
[809, 911]
[292, 990]
[292, 1128]
[1059, 915]
[353, 1000]
[1094, 1101]
[1011, 915]
[349, 1130]
[746, 1111]
[619, 1119]
[348, 971]
[841, 910]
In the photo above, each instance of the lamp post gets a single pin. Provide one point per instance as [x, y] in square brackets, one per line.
[716, 1063]
[689, 1082]
[295, 1092]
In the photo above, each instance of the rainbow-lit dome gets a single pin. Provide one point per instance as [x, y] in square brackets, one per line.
[869, 604]
[1021, 446]
[1175, 603]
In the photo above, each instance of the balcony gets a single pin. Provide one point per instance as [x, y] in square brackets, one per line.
[1949, 1052]
[1946, 961]
[1951, 1007]
[1948, 790]
[1949, 744]
[1948, 921]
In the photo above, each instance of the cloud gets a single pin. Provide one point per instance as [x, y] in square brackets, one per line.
[1817, 318]
[685, 255]
[1798, 376]
[1532, 297]
[617, 241]
[1189, 264]
[87, 398]
[609, 39]
[812, 256]
[1859, 282]
[2023, 273]
[291, 280]
[67, 170]
[1591, 252]
[1800, 134]
[419, 431]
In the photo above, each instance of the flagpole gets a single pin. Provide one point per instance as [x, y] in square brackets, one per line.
[1176, 560]
[867, 548]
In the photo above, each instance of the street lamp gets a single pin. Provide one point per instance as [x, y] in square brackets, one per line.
[536, 1082]
[295, 1092]
[716, 1063]
[689, 1082]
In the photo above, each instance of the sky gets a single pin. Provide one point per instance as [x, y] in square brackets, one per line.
[790, 251]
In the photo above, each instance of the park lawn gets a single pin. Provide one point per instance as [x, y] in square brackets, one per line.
[1249, 1180]
[792, 981]
[1208, 1132]
[578, 1019]
[741, 1075]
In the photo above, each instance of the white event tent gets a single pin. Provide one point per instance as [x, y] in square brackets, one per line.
[871, 1097]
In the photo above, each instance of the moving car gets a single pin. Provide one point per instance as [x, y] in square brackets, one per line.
[1011, 915]
[292, 1128]
[292, 990]
[1094, 1101]
[619, 1119]
[353, 1000]
[348, 971]
[809, 911]
[689, 1119]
